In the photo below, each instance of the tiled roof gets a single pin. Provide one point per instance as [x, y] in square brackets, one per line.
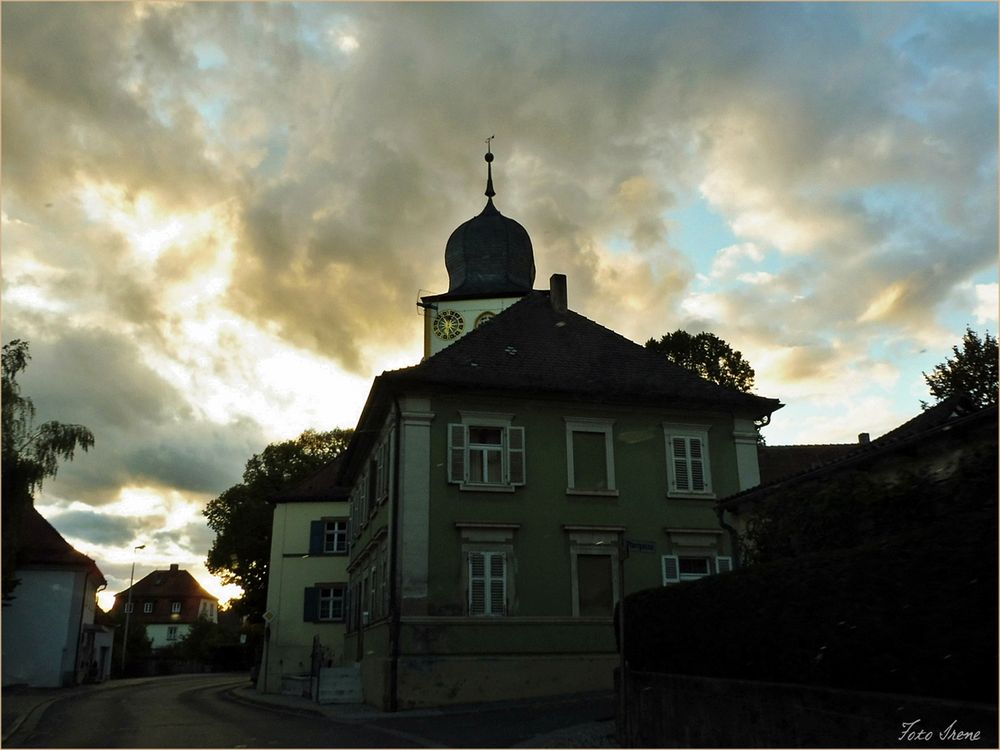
[950, 413]
[532, 347]
[173, 583]
[40, 544]
[778, 461]
[318, 486]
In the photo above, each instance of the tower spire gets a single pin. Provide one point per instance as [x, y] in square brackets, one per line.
[490, 192]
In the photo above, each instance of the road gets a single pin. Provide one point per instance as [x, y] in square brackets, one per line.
[199, 711]
[186, 711]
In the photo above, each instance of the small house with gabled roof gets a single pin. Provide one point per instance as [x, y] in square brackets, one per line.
[168, 602]
[508, 490]
[50, 638]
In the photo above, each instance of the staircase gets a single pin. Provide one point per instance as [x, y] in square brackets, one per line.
[340, 685]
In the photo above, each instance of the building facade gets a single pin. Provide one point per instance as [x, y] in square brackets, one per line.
[49, 635]
[307, 581]
[508, 490]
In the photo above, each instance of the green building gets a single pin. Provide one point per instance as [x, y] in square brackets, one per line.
[495, 487]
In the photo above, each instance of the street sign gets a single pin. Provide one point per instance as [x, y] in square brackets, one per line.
[634, 544]
[268, 616]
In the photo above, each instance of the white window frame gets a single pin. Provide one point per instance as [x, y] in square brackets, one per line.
[129, 608]
[171, 632]
[489, 580]
[601, 426]
[459, 448]
[338, 534]
[670, 567]
[687, 432]
[328, 596]
[175, 608]
[147, 608]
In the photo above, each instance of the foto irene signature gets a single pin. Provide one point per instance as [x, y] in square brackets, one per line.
[912, 732]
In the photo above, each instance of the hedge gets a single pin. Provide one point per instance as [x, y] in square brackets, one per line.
[915, 613]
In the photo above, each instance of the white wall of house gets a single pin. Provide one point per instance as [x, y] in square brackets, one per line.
[41, 628]
[288, 648]
[160, 635]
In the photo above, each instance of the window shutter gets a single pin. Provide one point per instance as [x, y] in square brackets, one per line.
[697, 465]
[671, 569]
[723, 564]
[317, 531]
[456, 453]
[310, 610]
[498, 583]
[680, 458]
[515, 455]
[477, 583]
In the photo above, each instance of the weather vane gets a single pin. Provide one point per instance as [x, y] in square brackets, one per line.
[488, 148]
[489, 170]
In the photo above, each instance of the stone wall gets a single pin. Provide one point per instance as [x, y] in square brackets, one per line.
[666, 710]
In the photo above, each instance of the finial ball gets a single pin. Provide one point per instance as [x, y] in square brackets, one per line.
[488, 157]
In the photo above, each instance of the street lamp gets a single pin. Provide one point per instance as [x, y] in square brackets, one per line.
[128, 607]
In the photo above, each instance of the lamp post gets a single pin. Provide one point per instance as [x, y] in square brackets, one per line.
[128, 606]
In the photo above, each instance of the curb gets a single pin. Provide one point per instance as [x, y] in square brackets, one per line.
[22, 718]
[270, 705]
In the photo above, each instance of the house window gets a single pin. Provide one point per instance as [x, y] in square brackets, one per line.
[328, 536]
[172, 633]
[486, 452]
[487, 583]
[590, 459]
[147, 608]
[594, 569]
[325, 602]
[128, 608]
[688, 470]
[595, 585]
[175, 607]
[677, 568]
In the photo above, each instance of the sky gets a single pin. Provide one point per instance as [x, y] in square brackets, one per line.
[217, 217]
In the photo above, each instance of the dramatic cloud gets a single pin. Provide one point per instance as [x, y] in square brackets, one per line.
[217, 217]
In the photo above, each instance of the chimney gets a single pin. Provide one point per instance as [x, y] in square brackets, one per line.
[173, 567]
[557, 292]
[864, 438]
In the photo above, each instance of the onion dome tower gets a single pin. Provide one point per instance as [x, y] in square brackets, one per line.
[490, 265]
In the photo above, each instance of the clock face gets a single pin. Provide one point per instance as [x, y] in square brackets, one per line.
[484, 318]
[448, 324]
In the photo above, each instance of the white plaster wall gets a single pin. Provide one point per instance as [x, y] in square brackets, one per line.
[40, 628]
[157, 633]
[289, 648]
[469, 309]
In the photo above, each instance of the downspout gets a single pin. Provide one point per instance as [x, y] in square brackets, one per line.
[79, 630]
[734, 536]
[395, 599]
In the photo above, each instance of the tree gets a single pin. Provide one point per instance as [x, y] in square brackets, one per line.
[973, 371]
[241, 516]
[708, 356]
[30, 453]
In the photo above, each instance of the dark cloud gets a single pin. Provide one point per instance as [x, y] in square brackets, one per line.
[98, 528]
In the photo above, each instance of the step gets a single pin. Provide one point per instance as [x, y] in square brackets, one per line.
[340, 685]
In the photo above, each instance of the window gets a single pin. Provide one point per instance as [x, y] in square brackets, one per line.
[487, 583]
[328, 536]
[594, 569]
[485, 451]
[175, 607]
[590, 464]
[172, 633]
[128, 608]
[595, 585]
[687, 460]
[147, 608]
[679, 568]
[325, 602]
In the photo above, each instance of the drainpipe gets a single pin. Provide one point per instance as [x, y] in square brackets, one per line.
[79, 631]
[734, 537]
[395, 600]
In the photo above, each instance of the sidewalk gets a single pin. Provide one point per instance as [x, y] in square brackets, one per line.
[590, 734]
